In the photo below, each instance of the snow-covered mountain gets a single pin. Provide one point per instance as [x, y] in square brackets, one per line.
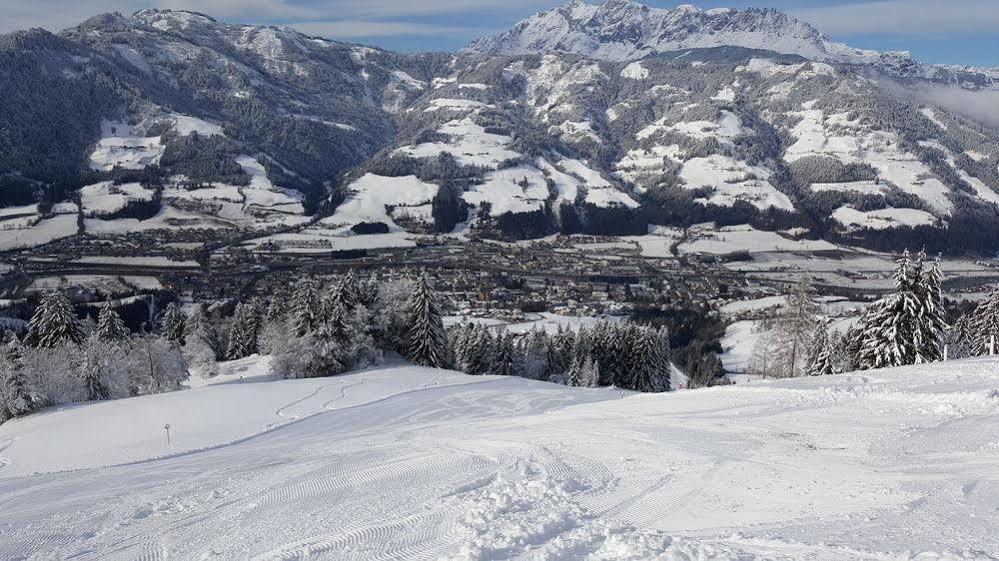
[622, 30]
[172, 121]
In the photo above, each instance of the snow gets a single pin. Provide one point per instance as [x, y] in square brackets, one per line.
[186, 125]
[730, 239]
[727, 127]
[862, 187]
[725, 94]
[456, 105]
[504, 191]
[882, 219]
[731, 181]
[737, 345]
[412, 463]
[470, 144]
[849, 142]
[930, 114]
[107, 198]
[371, 194]
[38, 233]
[635, 71]
[127, 152]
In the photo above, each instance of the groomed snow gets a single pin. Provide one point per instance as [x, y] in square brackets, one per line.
[412, 463]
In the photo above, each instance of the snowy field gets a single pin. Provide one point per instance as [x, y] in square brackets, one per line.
[411, 463]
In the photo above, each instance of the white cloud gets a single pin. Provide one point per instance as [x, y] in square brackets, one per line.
[926, 18]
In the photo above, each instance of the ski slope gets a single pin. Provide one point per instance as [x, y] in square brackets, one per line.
[413, 463]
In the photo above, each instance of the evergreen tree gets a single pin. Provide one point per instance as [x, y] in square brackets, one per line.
[276, 309]
[427, 343]
[984, 326]
[891, 334]
[930, 319]
[645, 362]
[480, 349]
[820, 358]
[304, 307]
[54, 322]
[15, 397]
[110, 327]
[244, 331]
[506, 360]
[93, 370]
[174, 324]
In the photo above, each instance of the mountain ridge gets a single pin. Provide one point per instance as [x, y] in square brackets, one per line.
[623, 30]
[166, 120]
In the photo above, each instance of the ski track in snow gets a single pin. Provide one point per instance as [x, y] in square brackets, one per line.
[889, 465]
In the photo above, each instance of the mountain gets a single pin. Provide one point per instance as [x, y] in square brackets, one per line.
[622, 30]
[176, 126]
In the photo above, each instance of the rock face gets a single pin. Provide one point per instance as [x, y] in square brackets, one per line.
[603, 119]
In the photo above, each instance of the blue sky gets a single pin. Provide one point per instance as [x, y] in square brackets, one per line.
[952, 31]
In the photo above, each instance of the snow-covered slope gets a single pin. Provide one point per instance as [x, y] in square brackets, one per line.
[411, 463]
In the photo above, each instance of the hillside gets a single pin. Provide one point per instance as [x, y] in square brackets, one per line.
[175, 124]
[406, 463]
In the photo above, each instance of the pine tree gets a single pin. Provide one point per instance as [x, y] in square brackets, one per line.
[984, 326]
[506, 360]
[276, 309]
[589, 374]
[304, 307]
[110, 327]
[480, 349]
[820, 359]
[244, 331]
[15, 397]
[54, 322]
[645, 363]
[174, 324]
[930, 320]
[92, 370]
[891, 334]
[427, 343]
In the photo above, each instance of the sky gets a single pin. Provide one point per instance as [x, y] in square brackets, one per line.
[950, 31]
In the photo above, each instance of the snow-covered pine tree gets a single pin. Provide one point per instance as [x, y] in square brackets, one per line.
[304, 307]
[110, 327]
[276, 308]
[582, 351]
[644, 362]
[93, 370]
[820, 357]
[427, 343]
[243, 332]
[174, 324]
[890, 335]
[15, 397]
[589, 375]
[985, 326]
[506, 359]
[930, 318]
[480, 349]
[54, 322]
[330, 342]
